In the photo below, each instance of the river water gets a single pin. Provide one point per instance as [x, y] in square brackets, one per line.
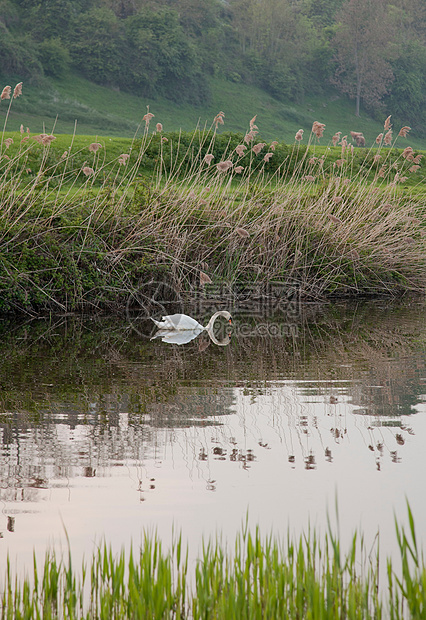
[106, 433]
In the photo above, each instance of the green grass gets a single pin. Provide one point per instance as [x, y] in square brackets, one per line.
[261, 577]
[81, 230]
[102, 111]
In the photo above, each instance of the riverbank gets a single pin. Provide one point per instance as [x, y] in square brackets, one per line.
[84, 228]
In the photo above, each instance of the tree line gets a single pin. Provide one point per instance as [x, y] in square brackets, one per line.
[370, 50]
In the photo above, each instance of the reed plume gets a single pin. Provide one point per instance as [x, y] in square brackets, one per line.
[250, 136]
[258, 147]
[5, 93]
[95, 146]
[335, 139]
[407, 153]
[388, 138]
[252, 125]
[17, 91]
[223, 166]
[404, 131]
[47, 139]
[240, 149]
[122, 160]
[218, 119]
[318, 129]
[204, 278]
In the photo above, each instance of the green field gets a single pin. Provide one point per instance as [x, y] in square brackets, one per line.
[101, 111]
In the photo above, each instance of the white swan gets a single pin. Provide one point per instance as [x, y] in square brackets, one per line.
[183, 322]
[174, 336]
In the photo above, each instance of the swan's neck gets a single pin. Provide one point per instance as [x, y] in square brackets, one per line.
[209, 325]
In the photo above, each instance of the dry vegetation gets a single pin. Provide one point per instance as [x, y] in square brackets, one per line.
[74, 236]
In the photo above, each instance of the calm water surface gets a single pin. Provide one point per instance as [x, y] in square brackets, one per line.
[106, 433]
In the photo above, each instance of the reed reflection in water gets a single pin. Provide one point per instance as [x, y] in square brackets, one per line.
[107, 432]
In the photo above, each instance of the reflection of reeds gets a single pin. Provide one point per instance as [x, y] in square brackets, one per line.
[193, 387]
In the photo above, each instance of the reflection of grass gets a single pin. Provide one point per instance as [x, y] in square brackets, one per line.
[104, 354]
[262, 578]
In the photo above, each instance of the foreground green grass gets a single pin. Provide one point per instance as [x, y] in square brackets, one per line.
[258, 578]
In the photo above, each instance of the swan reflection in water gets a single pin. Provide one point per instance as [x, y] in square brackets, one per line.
[181, 328]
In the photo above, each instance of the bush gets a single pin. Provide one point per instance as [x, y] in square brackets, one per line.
[54, 57]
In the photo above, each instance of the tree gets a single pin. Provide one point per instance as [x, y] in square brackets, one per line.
[96, 46]
[406, 100]
[363, 43]
[161, 59]
[281, 40]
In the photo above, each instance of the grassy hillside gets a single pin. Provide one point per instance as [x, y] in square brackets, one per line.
[102, 111]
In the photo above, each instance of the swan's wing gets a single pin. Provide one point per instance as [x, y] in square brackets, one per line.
[181, 322]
